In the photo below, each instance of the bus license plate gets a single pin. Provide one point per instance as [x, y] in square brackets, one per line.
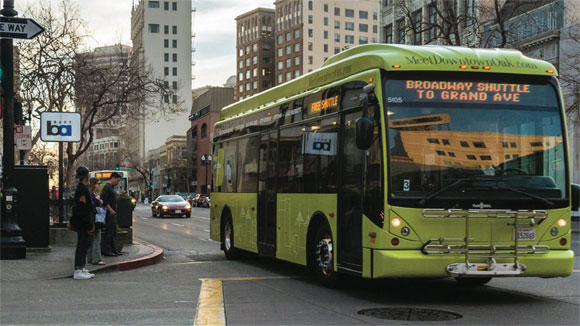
[526, 234]
[178, 211]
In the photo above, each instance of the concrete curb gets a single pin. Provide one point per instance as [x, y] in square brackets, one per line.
[151, 259]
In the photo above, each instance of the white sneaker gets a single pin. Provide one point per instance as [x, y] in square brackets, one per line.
[86, 271]
[80, 275]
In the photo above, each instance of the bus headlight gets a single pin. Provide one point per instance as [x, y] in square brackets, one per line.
[405, 231]
[562, 223]
[396, 222]
[554, 231]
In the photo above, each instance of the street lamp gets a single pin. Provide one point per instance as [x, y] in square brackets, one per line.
[206, 160]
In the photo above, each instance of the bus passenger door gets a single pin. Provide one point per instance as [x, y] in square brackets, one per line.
[267, 195]
[349, 237]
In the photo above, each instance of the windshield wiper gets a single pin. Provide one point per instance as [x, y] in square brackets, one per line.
[441, 190]
[543, 200]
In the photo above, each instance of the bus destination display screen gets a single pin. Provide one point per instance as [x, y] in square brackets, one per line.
[405, 91]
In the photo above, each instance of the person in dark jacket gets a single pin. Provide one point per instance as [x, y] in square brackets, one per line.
[110, 197]
[83, 223]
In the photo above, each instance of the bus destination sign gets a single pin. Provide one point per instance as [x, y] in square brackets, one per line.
[467, 91]
[324, 104]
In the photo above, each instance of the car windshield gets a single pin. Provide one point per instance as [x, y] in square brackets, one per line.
[170, 199]
[485, 139]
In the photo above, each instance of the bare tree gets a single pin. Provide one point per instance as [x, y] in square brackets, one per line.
[58, 76]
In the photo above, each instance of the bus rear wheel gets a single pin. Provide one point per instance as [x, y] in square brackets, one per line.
[472, 281]
[228, 240]
[322, 261]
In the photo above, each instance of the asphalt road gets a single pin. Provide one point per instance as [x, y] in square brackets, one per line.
[259, 291]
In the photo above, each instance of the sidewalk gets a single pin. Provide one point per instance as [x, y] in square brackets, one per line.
[58, 262]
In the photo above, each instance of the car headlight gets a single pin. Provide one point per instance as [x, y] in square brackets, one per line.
[165, 207]
[133, 200]
[187, 206]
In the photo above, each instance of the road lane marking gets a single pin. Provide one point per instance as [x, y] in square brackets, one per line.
[145, 218]
[205, 218]
[206, 230]
[177, 224]
[210, 305]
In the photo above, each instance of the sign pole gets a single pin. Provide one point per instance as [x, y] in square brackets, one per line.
[12, 244]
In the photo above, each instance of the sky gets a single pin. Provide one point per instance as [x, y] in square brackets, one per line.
[214, 27]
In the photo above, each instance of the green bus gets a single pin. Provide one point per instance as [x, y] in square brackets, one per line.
[401, 161]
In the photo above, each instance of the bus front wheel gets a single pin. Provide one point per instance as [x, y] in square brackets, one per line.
[323, 256]
[228, 240]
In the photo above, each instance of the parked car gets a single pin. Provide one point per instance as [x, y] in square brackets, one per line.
[170, 205]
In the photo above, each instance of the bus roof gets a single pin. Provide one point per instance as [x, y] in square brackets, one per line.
[398, 58]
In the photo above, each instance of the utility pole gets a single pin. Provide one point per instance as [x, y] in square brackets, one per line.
[12, 244]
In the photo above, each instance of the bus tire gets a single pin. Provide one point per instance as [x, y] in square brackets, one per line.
[228, 239]
[322, 261]
[472, 281]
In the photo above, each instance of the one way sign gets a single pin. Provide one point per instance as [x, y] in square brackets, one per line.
[22, 28]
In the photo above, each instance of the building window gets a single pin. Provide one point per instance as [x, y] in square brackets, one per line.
[349, 26]
[297, 47]
[433, 140]
[247, 86]
[153, 4]
[325, 47]
[309, 46]
[471, 157]
[310, 59]
[241, 88]
[174, 6]
[309, 19]
[166, 84]
[153, 28]
[166, 57]
[325, 7]
[336, 24]
[248, 49]
[241, 65]
[337, 11]
[255, 60]
[174, 44]
[297, 34]
[288, 76]
[174, 99]
[174, 71]
[247, 62]
[513, 144]
[363, 40]
[389, 33]
[174, 29]
[241, 76]
[280, 79]
[325, 21]
[310, 33]
[336, 50]
[289, 49]
[401, 31]
[288, 63]
[241, 52]
[485, 157]
[203, 130]
[363, 27]
[166, 71]
[375, 16]
[349, 39]
[337, 37]
[535, 144]
[166, 5]
[255, 84]
[310, 5]
[440, 153]
[165, 29]
[446, 142]
[255, 72]
[451, 154]
[464, 144]
[326, 35]
[296, 61]
[280, 65]
[296, 73]
[174, 85]
[478, 144]
[288, 36]
[280, 52]
[417, 39]
[280, 39]
[174, 57]
[248, 74]
[375, 29]
[255, 47]
[432, 12]
[470, 12]
[362, 14]
[349, 13]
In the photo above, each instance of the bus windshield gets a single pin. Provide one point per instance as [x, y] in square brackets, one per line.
[475, 144]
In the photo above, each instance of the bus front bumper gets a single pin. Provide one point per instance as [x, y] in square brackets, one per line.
[413, 263]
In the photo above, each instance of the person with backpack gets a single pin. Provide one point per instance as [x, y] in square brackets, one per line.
[82, 222]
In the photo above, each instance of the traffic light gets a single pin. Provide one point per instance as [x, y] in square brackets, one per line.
[117, 168]
[151, 186]
[18, 117]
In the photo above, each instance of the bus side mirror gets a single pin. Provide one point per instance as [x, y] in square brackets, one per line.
[575, 196]
[364, 133]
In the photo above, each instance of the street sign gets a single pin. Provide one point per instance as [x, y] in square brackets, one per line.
[60, 126]
[23, 138]
[22, 28]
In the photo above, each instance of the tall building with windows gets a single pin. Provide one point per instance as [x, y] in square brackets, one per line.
[162, 43]
[309, 32]
[255, 52]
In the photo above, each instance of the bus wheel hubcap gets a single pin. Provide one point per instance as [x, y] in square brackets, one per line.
[323, 255]
[228, 236]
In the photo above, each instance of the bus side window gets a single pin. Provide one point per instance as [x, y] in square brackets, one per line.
[229, 180]
[320, 150]
[351, 94]
[248, 151]
[290, 160]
